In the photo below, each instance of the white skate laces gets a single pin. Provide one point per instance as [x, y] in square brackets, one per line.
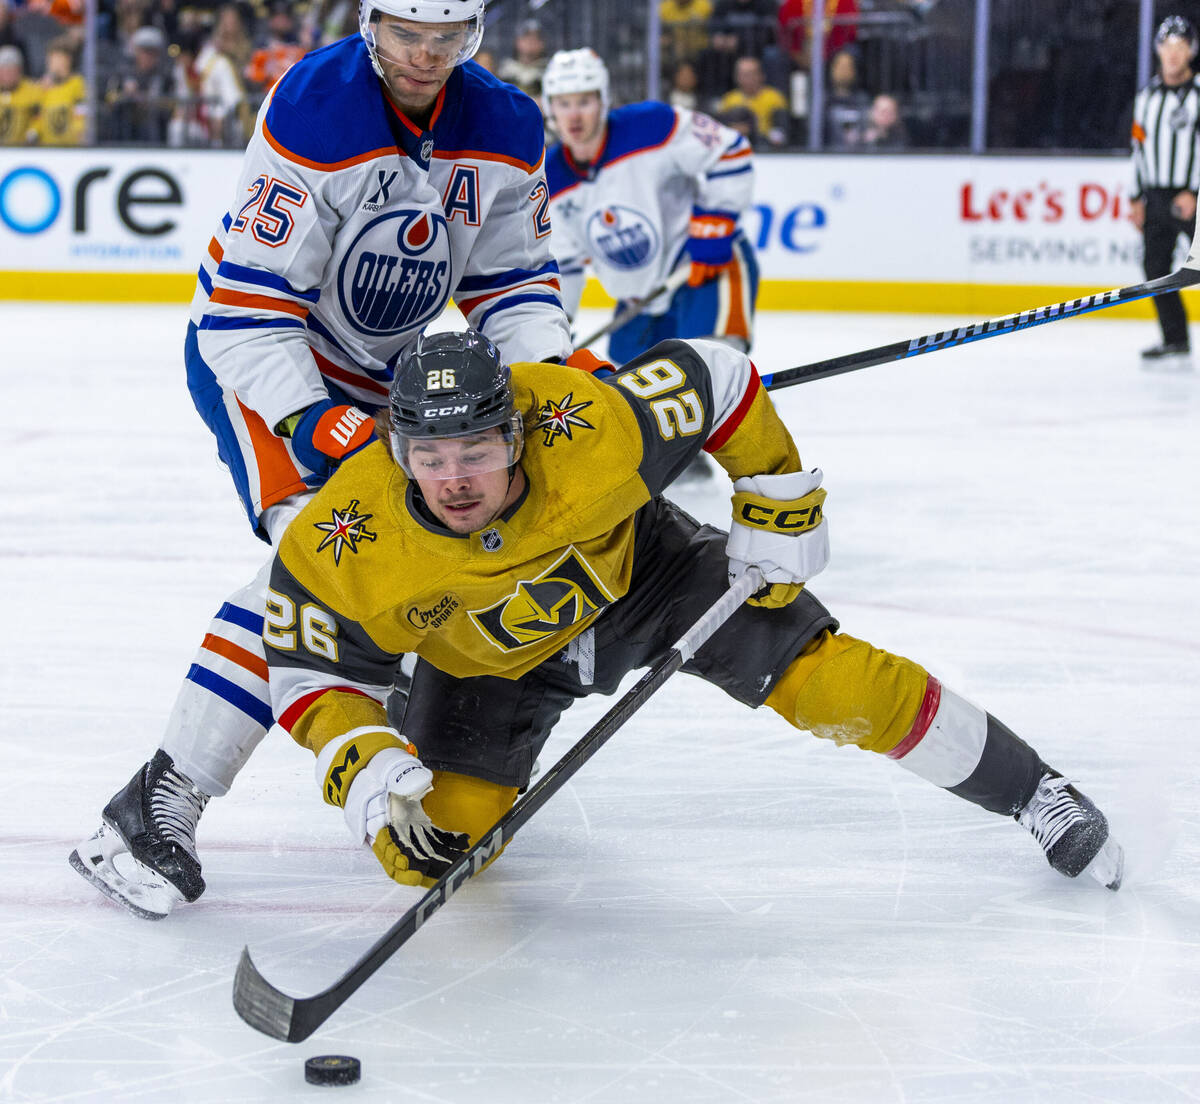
[1051, 812]
[1072, 832]
[175, 808]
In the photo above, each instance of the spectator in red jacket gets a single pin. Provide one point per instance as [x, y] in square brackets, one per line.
[840, 29]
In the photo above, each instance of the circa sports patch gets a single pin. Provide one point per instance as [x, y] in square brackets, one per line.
[556, 419]
[344, 530]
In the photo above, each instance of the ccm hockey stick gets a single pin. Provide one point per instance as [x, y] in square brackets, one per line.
[1186, 276]
[294, 1019]
[635, 306]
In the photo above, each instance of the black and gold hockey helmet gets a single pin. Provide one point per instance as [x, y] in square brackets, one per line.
[455, 386]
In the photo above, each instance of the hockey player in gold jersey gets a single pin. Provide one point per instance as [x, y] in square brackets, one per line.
[514, 537]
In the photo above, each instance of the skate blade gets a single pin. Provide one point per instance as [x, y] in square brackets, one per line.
[1176, 362]
[1108, 867]
[140, 890]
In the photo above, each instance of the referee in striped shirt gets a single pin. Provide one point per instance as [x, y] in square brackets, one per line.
[1166, 162]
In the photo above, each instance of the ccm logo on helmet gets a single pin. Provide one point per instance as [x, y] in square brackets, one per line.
[786, 520]
[445, 411]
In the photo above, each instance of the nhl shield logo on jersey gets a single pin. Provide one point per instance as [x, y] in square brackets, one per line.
[556, 419]
[562, 596]
[345, 530]
[396, 275]
[624, 236]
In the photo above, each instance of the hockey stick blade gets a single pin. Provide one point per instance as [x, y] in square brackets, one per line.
[294, 1019]
[1188, 275]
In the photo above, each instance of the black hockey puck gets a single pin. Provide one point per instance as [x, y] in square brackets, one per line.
[332, 1069]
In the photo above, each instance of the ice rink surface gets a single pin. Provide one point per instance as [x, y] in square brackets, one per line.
[717, 908]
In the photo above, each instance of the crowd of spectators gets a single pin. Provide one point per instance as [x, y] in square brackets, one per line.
[42, 96]
[749, 63]
[192, 73]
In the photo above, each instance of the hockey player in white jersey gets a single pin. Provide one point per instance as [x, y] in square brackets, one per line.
[386, 173]
[648, 193]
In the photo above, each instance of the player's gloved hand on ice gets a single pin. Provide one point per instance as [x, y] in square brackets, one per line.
[326, 433]
[709, 244]
[382, 804]
[587, 361]
[779, 526]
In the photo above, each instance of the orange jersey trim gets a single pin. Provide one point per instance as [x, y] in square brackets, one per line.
[324, 166]
[738, 324]
[333, 371]
[256, 665]
[485, 155]
[232, 298]
[615, 160]
[277, 473]
[468, 305]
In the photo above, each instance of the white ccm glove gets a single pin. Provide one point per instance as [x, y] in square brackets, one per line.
[382, 803]
[779, 527]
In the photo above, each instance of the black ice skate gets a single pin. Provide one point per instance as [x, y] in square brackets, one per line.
[144, 854]
[1167, 357]
[1072, 831]
[1166, 349]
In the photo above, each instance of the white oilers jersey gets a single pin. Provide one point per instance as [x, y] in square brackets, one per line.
[628, 212]
[351, 229]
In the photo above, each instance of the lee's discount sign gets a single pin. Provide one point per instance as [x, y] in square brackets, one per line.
[867, 219]
[946, 220]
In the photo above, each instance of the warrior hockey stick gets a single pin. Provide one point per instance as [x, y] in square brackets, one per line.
[635, 306]
[294, 1019]
[1188, 275]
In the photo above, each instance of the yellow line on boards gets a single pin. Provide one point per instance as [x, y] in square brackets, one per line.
[972, 301]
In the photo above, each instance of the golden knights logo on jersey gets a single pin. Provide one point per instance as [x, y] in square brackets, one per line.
[345, 530]
[556, 419]
[562, 596]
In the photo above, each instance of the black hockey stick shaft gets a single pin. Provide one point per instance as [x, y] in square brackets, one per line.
[1188, 275]
[635, 306]
[294, 1019]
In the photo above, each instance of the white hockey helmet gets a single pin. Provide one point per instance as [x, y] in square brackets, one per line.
[469, 12]
[575, 71]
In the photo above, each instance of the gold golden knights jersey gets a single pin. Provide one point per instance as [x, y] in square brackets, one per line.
[365, 574]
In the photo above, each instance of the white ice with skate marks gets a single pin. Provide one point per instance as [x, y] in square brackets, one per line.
[716, 908]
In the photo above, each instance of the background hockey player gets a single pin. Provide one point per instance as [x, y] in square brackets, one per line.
[515, 538]
[642, 191]
[639, 191]
[386, 173]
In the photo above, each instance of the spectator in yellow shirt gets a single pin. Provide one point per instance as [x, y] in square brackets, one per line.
[64, 98]
[684, 26]
[769, 105]
[20, 99]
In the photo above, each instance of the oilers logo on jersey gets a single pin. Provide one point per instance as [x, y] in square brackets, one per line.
[394, 275]
[623, 236]
[562, 596]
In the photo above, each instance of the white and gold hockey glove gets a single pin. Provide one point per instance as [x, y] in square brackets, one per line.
[375, 776]
[779, 527]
